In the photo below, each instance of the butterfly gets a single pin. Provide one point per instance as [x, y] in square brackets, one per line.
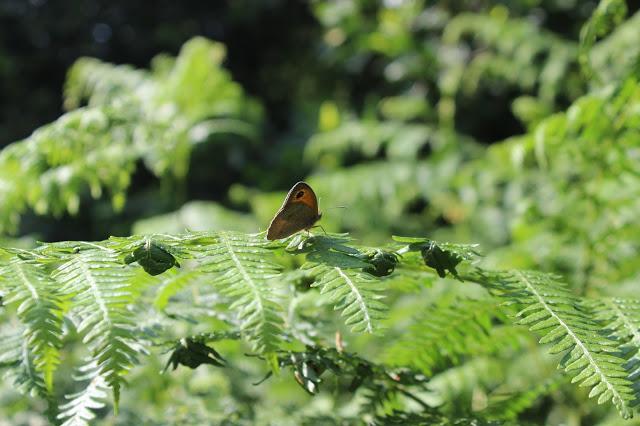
[299, 211]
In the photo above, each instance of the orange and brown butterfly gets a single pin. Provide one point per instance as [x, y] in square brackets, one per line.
[298, 212]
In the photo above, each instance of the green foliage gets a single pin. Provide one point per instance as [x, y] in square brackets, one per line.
[513, 52]
[17, 360]
[340, 273]
[99, 286]
[401, 418]
[131, 115]
[558, 172]
[389, 115]
[40, 310]
[607, 16]
[444, 333]
[242, 268]
[197, 216]
[508, 407]
[80, 408]
[550, 309]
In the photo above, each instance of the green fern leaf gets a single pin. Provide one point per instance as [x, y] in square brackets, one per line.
[444, 333]
[434, 418]
[79, 411]
[10, 347]
[343, 273]
[509, 406]
[607, 16]
[39, 309]
[240, 266]
[99, 285]
[355, 293]
[622, 319]
[17, 359]
[550, 309]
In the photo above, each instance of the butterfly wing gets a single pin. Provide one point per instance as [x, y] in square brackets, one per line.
[301, 192]
[299, 211]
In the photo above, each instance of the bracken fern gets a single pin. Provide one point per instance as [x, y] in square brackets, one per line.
[99, 285]
[240, 266]
[550, 309]
[39, 309]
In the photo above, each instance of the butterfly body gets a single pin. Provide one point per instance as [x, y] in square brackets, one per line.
[298, 212]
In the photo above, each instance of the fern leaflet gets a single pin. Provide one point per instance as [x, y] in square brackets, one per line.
[240, 267]
[550, 309]
[444, 333]
[79, 410]
[39, 310]
[355, 293]
[16, 357]
[99, 284]
[622, 319]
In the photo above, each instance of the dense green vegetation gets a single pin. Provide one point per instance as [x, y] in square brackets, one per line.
[484, 269]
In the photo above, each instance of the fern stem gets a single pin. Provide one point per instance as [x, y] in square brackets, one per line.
[413, 397]
[98, 246]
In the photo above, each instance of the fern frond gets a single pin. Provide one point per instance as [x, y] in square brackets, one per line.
[444, 333]
[240, 267]
[622, 319]
[355, 293]
[79, 411]
[132, 116]
[433, 418]
[550, 309]
[607, 16]
[619, 44]
[100, 83]
[339, 273]
[10, 346]
[18, 363]
[39, 309]
[509, 406]
[621, 316]
[100, 286]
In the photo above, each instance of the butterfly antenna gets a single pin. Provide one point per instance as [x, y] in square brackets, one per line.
[319, 226]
